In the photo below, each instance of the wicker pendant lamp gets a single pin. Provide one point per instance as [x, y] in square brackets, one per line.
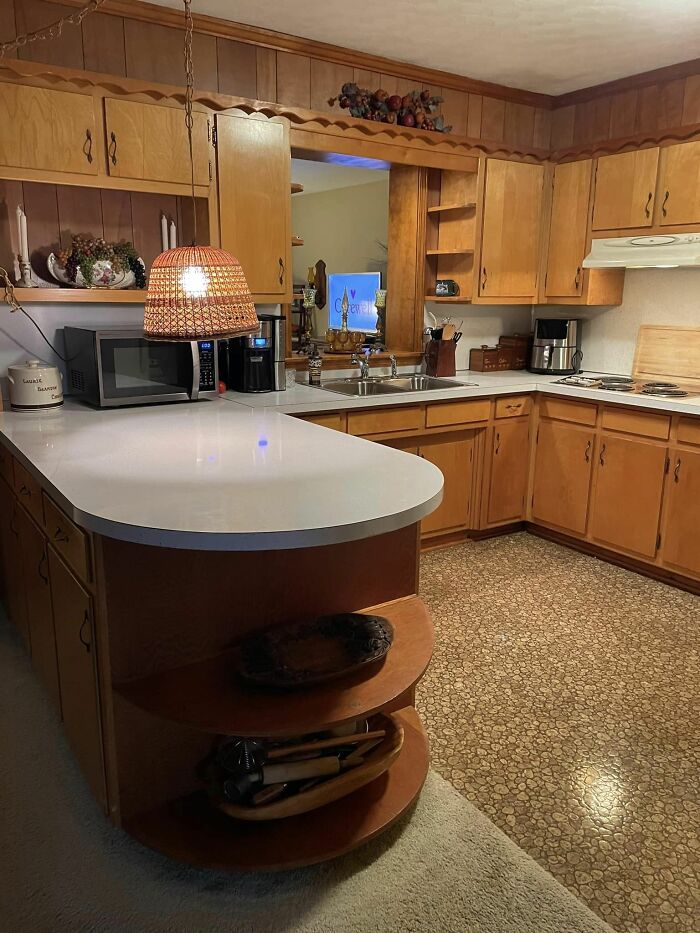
[196, 291]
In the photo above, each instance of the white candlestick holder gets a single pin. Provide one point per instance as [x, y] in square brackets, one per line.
[25, 279]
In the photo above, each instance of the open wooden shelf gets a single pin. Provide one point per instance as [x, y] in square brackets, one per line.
[438, 208]
[209, 695]
[192, 830]
[448, 252]
[297, 188]
[123, 296]
[451, 299]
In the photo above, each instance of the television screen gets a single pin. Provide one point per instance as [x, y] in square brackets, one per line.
[361, 286]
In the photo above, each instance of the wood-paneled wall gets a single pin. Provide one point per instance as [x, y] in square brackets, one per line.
[670, 99]
[137, 45]
[58, 212]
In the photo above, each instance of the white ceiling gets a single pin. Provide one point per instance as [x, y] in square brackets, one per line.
[552, 46]
[324, 176]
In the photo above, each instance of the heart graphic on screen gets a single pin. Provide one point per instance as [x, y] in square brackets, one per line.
[352, 292]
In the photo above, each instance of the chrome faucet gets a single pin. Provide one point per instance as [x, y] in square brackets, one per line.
[363, 363]
[394, 367]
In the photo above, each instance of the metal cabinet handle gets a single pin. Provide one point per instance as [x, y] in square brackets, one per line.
[112, 152]
[24, 490]
[86, 621]
[483, 278]
[60, 535]
[87, 146]
[587, 454]
[663, 206]
[281, 271]
[42, 563]
[676, 472]
[577, 278]
[647, 210]
[602, 452]
[498, 443]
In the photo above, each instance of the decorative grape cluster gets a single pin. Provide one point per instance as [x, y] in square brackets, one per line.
[86, 251]
[415, 109]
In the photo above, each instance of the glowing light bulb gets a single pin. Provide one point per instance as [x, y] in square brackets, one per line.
[195, 282]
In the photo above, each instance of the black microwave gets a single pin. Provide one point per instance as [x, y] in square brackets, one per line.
[117, 366]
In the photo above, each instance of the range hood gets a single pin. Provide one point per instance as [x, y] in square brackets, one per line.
[645, 252]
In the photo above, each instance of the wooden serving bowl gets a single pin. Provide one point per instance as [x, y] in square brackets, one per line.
[375, 764]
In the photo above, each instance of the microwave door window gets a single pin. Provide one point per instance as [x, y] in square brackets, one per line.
[134, 368]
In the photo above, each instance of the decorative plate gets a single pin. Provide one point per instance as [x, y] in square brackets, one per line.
[312, 652]
[103, 275]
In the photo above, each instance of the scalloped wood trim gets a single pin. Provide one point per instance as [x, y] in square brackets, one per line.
[665, 137]
[279, 41]
[330, 124]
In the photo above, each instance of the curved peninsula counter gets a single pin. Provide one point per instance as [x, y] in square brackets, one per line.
[140, 546]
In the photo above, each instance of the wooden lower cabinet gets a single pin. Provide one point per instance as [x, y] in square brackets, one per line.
[15, 600]
[680, 538]
[76, 650]
[39, 606]
[628, 491]
[506, 474]
[562, 480]
[453, 456]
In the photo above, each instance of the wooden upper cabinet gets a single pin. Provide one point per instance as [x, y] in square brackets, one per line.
[679, 185]
[563, 465]
[511, 230]
[680, 539]
[568, 230]
[148, 142]
[48, 130]
[624, 190]
[254, 166]
[625, 513]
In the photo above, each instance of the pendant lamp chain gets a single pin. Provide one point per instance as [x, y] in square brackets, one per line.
[189, 93]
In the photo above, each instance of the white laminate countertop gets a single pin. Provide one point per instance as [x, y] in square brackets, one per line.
[305, 399]
[218, 476]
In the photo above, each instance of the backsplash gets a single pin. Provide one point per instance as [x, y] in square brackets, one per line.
[481, 324]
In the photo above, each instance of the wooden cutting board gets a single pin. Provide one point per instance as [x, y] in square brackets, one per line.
[670, 354]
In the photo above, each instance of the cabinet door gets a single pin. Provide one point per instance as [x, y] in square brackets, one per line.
[680, 539]
[679, 187]
[75, 645]
[511, 229]
[508, 471]
[568, 228]
[624, 190]
[15, 601]
[39, 609]
[254, 160]
[628, 490]
[149, 142]
[453, 457]
[46, 129]
[563, 465]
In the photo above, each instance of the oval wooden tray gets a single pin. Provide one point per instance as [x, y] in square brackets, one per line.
[375, 764]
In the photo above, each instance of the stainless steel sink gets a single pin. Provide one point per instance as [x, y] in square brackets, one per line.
[420, 383]
[361, 387]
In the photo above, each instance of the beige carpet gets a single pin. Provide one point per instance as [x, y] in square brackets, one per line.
[63, 868]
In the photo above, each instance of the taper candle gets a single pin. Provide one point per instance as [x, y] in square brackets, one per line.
[173, 235]
[164, 231]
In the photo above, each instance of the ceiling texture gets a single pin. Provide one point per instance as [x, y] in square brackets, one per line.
[322, 176]
[550, 46]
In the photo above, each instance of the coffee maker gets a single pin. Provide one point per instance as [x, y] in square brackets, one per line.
[556, 348]
[255, 363]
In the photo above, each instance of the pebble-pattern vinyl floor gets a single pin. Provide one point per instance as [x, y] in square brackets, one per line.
[563, 701]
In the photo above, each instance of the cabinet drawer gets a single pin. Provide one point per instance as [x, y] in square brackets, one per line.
[637, 422]
[578, 412]
[689, 431]
[331, 419]
[69, 540]
[405, 418]
[6, 466]
[446, 413]
[28, 491]
[513, 406]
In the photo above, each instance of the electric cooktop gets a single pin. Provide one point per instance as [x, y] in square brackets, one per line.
[626, 384]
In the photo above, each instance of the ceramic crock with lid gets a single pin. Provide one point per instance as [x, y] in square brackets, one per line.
[34, 385]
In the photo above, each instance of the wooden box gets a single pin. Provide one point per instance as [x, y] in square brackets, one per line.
[519, 344]
[490, 359]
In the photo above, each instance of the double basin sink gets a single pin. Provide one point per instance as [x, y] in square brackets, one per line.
[388, 385]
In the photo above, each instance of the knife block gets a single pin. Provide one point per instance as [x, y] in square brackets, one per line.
[440, 358]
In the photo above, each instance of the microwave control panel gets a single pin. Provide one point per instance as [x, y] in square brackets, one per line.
[207, 369]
